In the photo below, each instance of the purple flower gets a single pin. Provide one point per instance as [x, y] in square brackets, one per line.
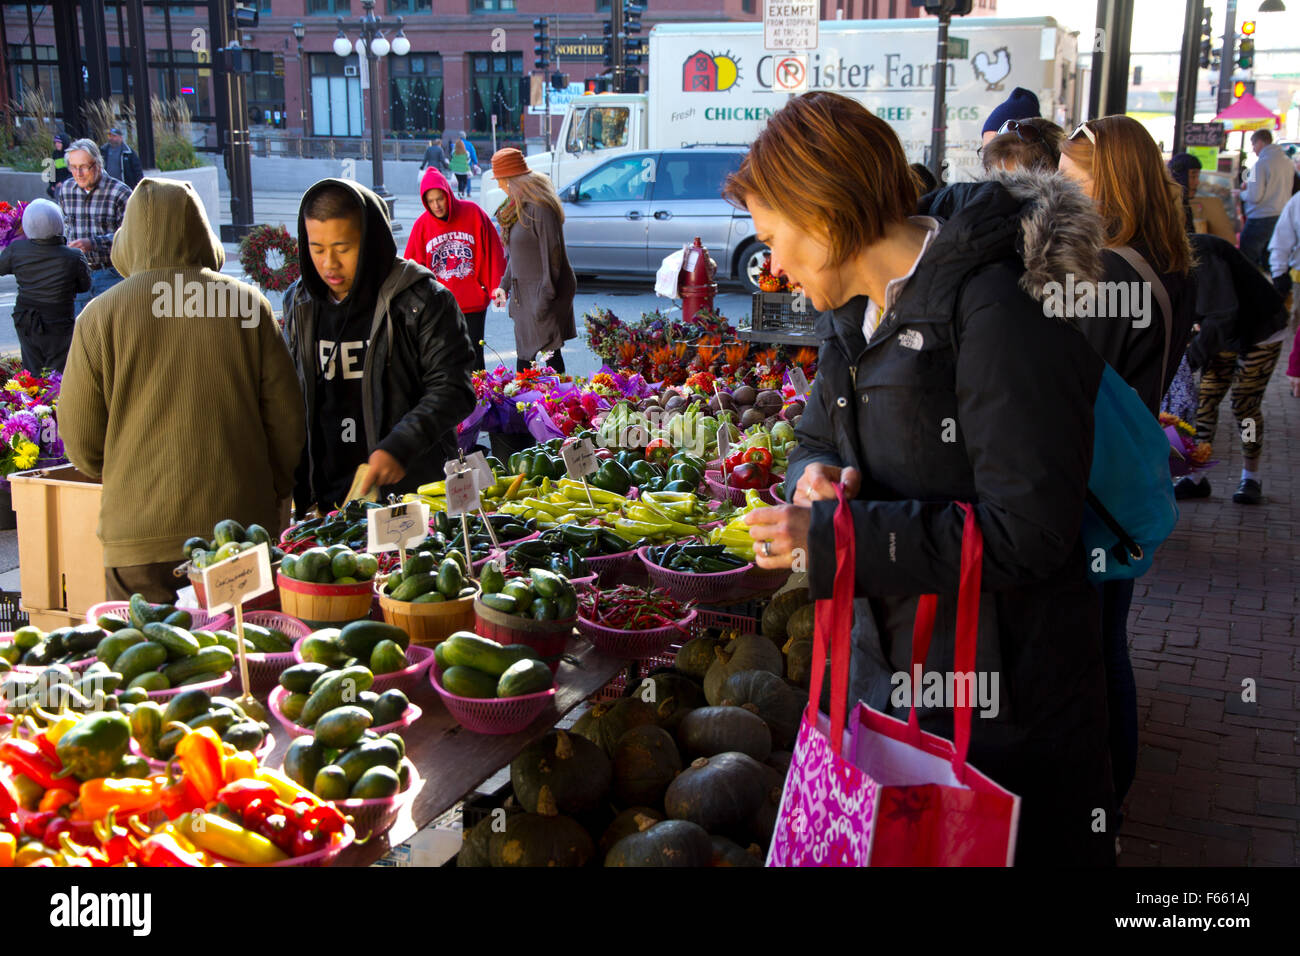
[21, 421]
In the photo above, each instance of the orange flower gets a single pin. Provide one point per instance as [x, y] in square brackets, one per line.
[679, 350]
[805, 356]
[662, 355]
[736, 353]
[627, 352]
[707, 354]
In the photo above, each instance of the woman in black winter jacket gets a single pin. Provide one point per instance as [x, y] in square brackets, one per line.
[941, 379]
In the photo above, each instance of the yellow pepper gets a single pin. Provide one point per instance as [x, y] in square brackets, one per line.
[224, 838]
[124, 794]
[574, 491]
[286, 789]
[8, 848]
[433, 489]
[202, 761]
[240, 766]
[29, 853]
[60, 727]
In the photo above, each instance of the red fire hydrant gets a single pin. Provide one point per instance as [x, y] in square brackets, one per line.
[695, 281]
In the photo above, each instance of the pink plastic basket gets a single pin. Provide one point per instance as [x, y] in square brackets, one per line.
[719, 587]
[763, 581]
[201, 619]
[735, 495]
[373, 817]
[635, 644]
[409, 678]
[212, 687]
[319, 858]
[278, 695]
[493, 715]
[264, 669]
[615, 569]
[7, 637]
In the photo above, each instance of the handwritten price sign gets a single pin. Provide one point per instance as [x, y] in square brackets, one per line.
[239, 579]
[397, 526]
[799, 381]
[477, 463]
[462, 494]
[579, 459]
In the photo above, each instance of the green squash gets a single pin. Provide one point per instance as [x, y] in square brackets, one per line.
[721, 794]
[632, 820]
[474, 851]
[608, 721]
[762, 823]
[645, 762]
[676, 843]
[544, 838]
[575, 771]
[798, 661]
[777, 614]
[779, 704]
[672, 695]
[729, 853]
[715, 730]
[747, 652]
[695, 656]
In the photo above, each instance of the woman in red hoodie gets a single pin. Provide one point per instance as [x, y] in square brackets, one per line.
[457, 241]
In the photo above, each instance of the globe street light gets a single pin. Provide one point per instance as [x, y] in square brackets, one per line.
[374, 45]
[299, 33]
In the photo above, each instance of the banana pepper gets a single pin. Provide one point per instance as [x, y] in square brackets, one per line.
[220, 836]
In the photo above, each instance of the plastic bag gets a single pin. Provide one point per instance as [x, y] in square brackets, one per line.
[666, 277]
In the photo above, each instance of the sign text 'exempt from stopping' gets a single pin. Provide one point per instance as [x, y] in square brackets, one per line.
[790, 25]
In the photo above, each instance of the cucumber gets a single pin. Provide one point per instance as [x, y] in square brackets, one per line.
[320, 648]
[205, 638]
[387, 658]
[440, 656]
[228, 641]
[150, 680]
[546, 583]
[112, 646]
[209, 661]
[527, 676]
[342, 726]
[266, 640]
[300, 677]
[422, 562]
[468, 682]
[372, 753]
[413, 585]
[465, 649]
[450, 578]
[303, 759]
[337, 689]
[220, 719]
[180, 643]
[430, 597]
[331, 783]
[390, 707]
[228, 531]
[179, 618]
[500, 602]
[185, 706]
[292, 706]
[377, 783]
[491, 579]
[139, 658]
[360, 637]
[244, 735]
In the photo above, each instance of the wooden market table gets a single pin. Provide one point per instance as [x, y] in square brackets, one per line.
[452, 761]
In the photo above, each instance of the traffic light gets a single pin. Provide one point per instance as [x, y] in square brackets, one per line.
[559, 81]
[244, 15]
[957, 8]
[541, 44]
[609, 44]
[1207, 38]
[632, 18]
[1246, 55]
[1248, 27]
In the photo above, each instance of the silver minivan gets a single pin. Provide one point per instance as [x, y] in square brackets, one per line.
[626, 215]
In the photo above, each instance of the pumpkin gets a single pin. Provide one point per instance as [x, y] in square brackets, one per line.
[798, 661]
[720, 793]
[672, 696]
[763, 822]
[670, 843]
[695, 656]
[800, 625]
[474, 851]
[575, 771]
[747, 652]
[715, 730]
[608, 721]
[779, 704]
[645, 763]
[543, 838]
[776, 616]
[779, 760]
[729, 853]
[627, 823]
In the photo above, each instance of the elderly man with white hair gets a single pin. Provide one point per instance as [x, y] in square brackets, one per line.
[49, 277]
[93, 206]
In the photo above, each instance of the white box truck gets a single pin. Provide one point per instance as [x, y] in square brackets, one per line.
[715, 83]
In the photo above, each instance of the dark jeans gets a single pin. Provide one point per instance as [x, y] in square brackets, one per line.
[477, 322]
[43, 339]
[462, 185]
[1121, 689]
[101, 280]
[1254, 240]
[556, 362]
[155, 581]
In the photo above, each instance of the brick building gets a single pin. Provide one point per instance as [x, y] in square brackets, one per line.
[468, 59]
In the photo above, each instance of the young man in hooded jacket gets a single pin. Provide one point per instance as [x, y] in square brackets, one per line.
[381, 349]
[458, 243]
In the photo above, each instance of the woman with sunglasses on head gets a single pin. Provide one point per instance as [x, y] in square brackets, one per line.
[1117, 163]
[941, 380]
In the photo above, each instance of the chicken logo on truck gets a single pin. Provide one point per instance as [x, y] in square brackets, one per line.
[709, 72]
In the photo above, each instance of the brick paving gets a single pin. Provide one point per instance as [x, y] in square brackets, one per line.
[1217, 776]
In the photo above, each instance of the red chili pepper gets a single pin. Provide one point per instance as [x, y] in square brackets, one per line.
[26, 758]
[82, 855]
[308, 841]
[161, 849]
[80, 831]
[659, 451]
[116, 842]
[324, 819]
[180, 798]
[35, 824]
[239, 794]
[10, 824]
[6, 720]
[9, 802]
[760, 456]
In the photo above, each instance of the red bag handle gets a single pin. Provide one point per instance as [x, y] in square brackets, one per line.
[968, 610]
[833, 624]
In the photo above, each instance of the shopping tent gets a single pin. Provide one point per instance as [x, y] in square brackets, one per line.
[1248, 113]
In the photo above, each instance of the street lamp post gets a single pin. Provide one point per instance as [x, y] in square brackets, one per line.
[376, 47]
[300, 31]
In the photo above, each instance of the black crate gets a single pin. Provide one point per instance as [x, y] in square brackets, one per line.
[12, 616]
[782, 312]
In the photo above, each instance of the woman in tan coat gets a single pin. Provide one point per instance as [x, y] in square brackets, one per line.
[538, 280]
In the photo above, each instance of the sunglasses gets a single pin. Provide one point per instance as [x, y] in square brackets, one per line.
[1086, 131]
[1027, 132]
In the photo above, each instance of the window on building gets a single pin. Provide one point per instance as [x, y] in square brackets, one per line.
[329, 7]
[415, 95]
[182, 74]
[747, 6]
[265, 89]
[33, 67]
[597, 128]
[493, 6]
[498, 85]
[602, 6]
[410, 6]
[335, 95]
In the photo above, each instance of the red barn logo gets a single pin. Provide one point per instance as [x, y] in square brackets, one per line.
[709, 72]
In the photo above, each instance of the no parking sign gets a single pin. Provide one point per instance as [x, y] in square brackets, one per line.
[791, 74]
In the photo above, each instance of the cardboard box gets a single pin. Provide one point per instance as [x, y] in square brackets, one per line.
[60, 558]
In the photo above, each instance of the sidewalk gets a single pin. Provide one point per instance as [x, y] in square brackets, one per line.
[1217, 776]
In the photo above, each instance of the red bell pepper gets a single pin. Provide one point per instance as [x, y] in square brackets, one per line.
[25, 757]
[659, 451]
[760, 456]
[115, 841]
[9, 802]
[239, 794]
[748, 475]
[161, 849]
[35, 825]
[308, 841]
[180, 798]
[80, 831]
[324, 819]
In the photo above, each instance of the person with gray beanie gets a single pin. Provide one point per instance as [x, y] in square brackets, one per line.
[50, 274]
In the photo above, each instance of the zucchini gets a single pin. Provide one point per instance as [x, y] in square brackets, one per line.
[179, 642]
[209, 661]
[526, 676]
[468, 682]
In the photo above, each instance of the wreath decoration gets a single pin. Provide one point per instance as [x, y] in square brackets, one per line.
[253, 249]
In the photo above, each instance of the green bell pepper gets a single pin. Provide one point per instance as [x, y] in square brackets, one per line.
[95, 745]
[643, 471]
[611, 476]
